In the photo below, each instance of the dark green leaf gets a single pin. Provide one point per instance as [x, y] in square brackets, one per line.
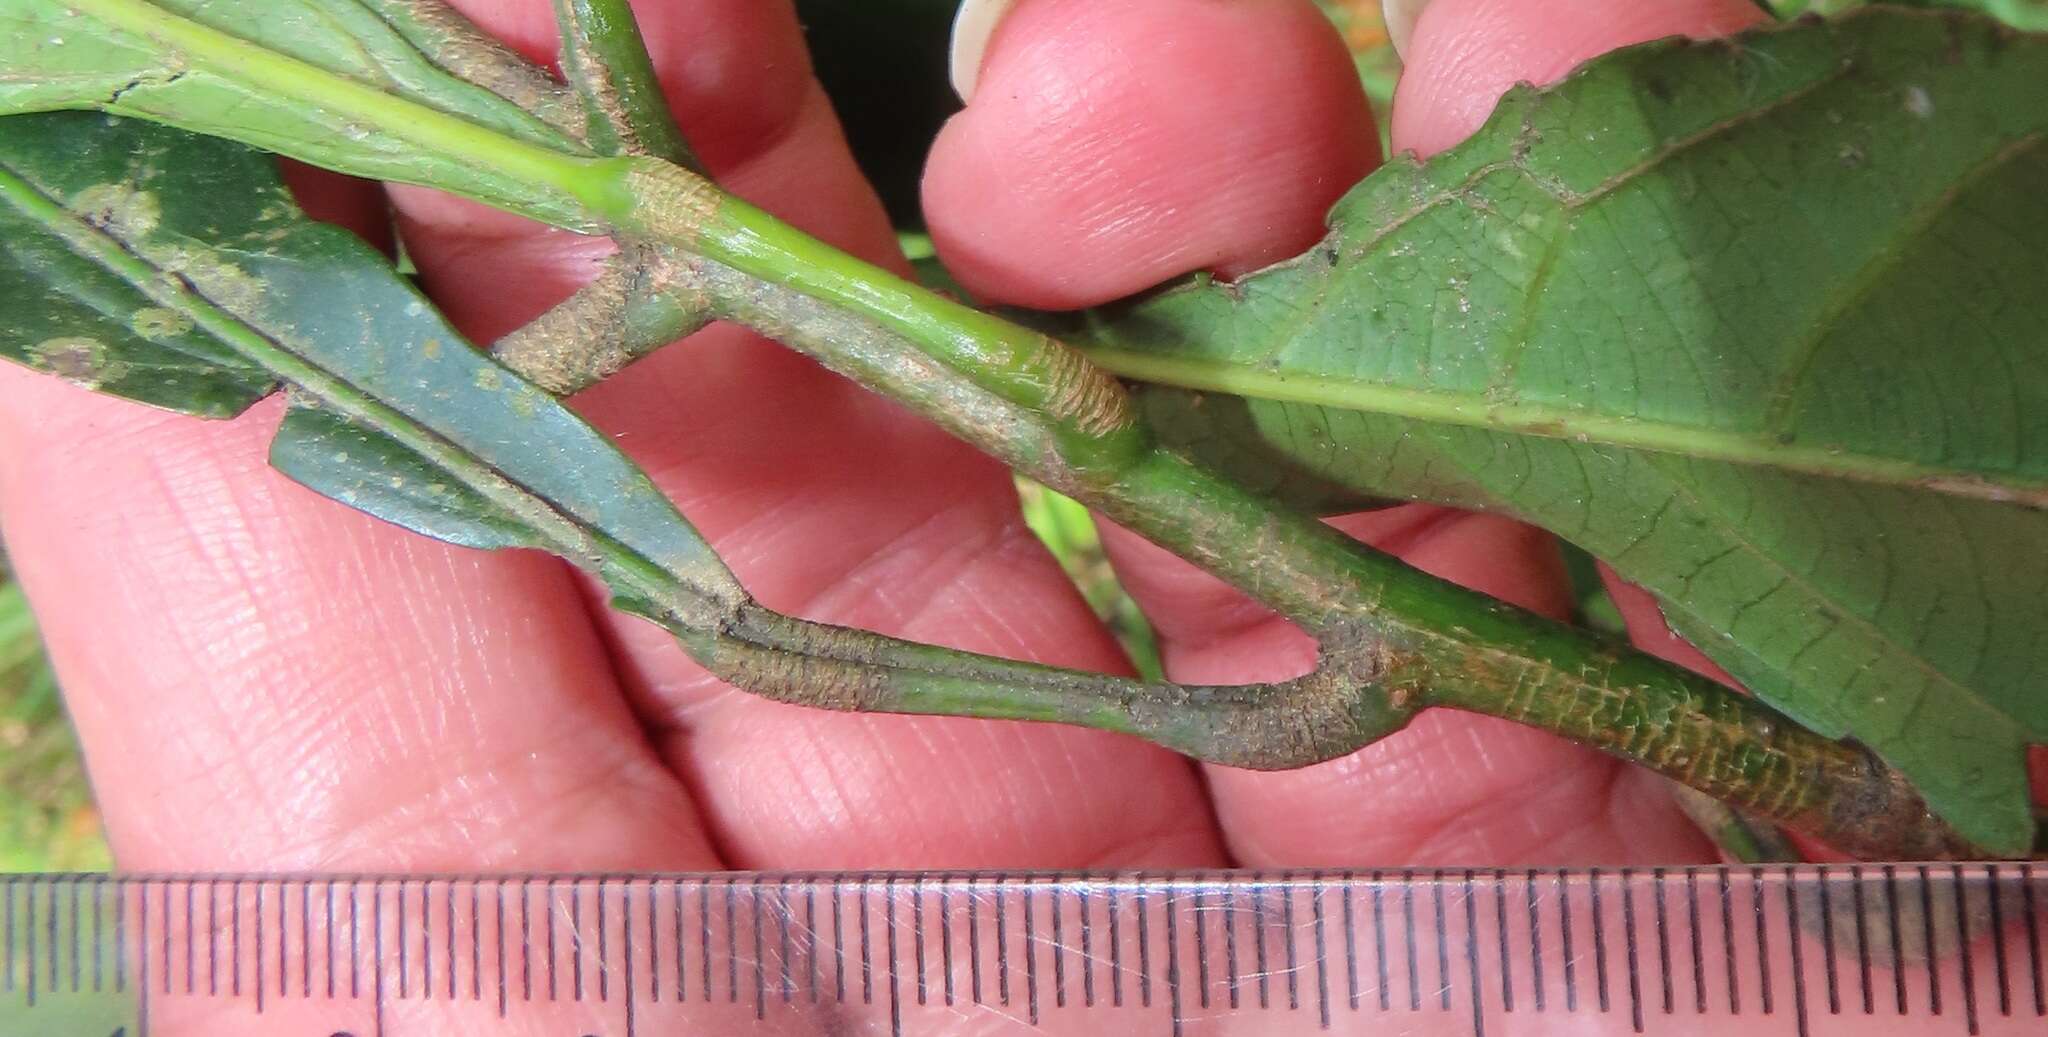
[73, 317]
[412, 423]
[367, 470]
[2021, 14]
[1761, 322]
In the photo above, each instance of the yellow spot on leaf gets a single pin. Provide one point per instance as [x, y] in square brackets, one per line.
[119, 209]
[525, 402]
[156, 323]
[76, 359]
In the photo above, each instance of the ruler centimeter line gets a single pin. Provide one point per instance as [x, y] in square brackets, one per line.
[1801, 950]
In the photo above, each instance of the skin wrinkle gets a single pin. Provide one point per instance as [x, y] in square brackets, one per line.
[950, 604]
[339, 670]
[921, 548]
[847, 799]
[1510, 826]
[1017, 542]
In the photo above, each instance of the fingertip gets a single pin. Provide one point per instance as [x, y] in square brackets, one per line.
[1112, 146]
[1464, 54]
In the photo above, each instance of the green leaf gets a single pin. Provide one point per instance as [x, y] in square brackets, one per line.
[394, 412]
[75, 318]
[2031, 15]
[328, 81]
[1760, 322]
[361, 467]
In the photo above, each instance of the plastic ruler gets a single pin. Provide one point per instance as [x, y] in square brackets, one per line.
[1872, 948]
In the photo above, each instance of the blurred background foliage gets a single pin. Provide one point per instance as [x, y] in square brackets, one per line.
[47, 821]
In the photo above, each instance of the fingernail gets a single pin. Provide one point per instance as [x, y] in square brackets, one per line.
[1400, 16]
[973, 27]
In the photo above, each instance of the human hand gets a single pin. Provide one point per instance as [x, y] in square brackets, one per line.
[265, 680]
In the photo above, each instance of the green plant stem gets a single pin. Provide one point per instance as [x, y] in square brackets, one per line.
[635, 306]
[1087, 411]
[454, 44]
[607, 62]
[1404, 639]
[1395, 640]
[837, 668]
[565, 190]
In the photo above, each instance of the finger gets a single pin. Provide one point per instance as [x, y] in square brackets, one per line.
[264, 679]
[247, 702]
[1108, 147]
[830, 503]
[1464, 54]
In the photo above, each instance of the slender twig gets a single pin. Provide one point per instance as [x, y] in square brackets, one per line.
[1394, 640]
[456, 45]
[1317, 716]
[613, 76]
[1087, 412]
[635, 306]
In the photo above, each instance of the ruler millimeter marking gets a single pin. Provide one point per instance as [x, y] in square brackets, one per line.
[1806, 950]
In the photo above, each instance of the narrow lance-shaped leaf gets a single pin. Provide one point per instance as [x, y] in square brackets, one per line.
[1758, 321]
[394, 412]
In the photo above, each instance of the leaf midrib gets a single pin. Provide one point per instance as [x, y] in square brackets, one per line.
[1762, 446]
[1551, 422]
[574, 538]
